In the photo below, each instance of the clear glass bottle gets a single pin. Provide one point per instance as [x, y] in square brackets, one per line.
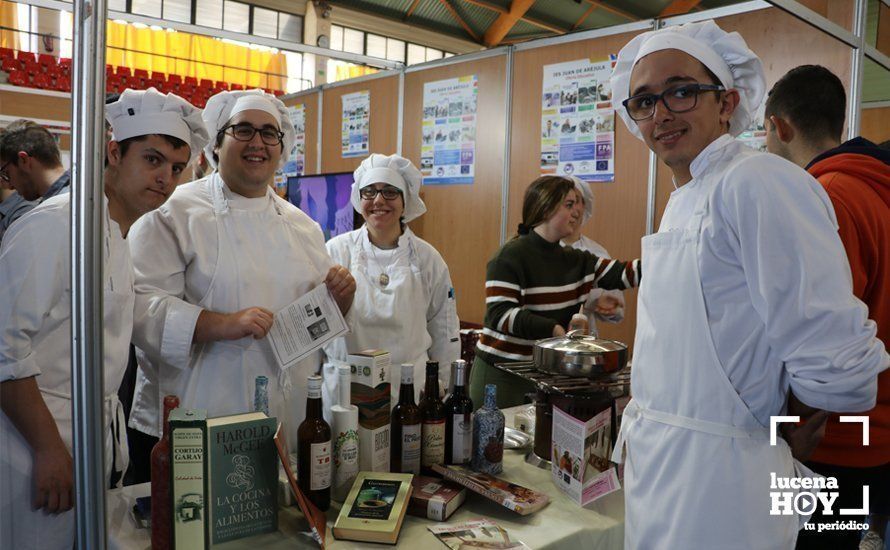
[488, 435]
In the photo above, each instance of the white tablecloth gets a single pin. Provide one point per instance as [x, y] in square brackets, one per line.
[562, 524]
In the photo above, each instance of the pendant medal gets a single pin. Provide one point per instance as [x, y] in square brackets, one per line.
[383, 279]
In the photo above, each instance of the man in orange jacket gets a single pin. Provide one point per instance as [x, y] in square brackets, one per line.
[804, 119]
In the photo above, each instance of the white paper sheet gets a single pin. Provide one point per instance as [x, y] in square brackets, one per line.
[304, 326]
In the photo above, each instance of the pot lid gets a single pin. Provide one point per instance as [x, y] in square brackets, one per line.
[577, 343]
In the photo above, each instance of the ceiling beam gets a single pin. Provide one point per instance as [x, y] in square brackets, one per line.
[611, 9]
[679, 7]
[506, 21]
[584, 17]
[545, 25]
[487, 4]
[411, 9]
[459, 19]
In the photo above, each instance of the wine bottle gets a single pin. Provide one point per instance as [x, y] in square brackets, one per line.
[432, 415]
[488, 435]
[459, 418]
[161, 513]
[344, 417]
[405, 427]
[314, 445]
[261, 395]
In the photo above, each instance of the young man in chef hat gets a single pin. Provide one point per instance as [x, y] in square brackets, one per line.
[154, 135]
[746, 301]
[216, 262]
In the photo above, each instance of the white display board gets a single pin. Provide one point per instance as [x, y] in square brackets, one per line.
[356, 124]
[448, 136]
[577, 120]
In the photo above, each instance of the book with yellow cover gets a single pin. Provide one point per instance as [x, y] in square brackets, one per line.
[375, 508]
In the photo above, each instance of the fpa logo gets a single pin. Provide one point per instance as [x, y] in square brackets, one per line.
[801, 495]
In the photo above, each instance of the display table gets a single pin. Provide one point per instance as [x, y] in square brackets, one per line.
[562, 524]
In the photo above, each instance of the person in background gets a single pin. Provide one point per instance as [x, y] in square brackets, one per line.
[602, 305]
[404, 299]
[534, 285]
[154, 135]
[30, 164]
[746, 311]
[215, 263]
[804, 120]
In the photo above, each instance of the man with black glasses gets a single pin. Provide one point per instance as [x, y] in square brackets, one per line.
[746, 306]
[213, 265]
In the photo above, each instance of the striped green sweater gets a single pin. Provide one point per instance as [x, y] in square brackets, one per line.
[532, 285]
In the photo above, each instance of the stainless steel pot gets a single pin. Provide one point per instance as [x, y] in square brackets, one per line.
[580, 355]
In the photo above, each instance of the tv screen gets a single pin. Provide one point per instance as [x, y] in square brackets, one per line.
[325, 198]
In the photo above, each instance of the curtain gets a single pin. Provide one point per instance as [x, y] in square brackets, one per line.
[192, 55]
[9, 20]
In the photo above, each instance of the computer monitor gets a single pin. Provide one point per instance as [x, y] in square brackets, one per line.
[325, 198]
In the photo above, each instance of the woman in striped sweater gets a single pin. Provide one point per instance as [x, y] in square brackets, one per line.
[533, 286]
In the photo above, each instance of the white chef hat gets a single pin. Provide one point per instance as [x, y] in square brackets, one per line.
[223, 106]
[725, 54]
[393, 170]
[583, 189]
[144, 112]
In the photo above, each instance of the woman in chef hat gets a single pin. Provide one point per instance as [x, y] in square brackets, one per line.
[404, 300]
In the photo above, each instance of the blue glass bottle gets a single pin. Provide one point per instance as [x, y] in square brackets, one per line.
[261, 395]
[488, 435]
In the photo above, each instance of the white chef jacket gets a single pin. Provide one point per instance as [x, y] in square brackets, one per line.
[177, 254]
[777, 284]
[418, 304]
[35, 340]
[589, 245]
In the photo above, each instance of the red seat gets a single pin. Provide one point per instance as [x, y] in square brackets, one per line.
[140, 73]
[174, 79]
[237, 87]
[42, 81]
[109, 70]
[7, 52]
[191, 80]
[47, 60]
[33, 68]
[222, 85]
[26, 57]
[123, 71]
[65, 62]
[112, 83]
[10, 64]
[63, 84]
[206, 83]
[155, 75]
[19, 78]
[279, 93]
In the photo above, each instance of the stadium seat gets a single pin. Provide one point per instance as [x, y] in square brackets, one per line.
[63, 84]
[42, 81]
[7, 52]
[206, 83]
[140, 73]
[47, 60]
[123, 71]
[33, 68]
[10, 64]
[237, 87]
[19, 78]
[174, 79]
[112, 84]
[191, 80]
[27, 57]
[279, 93]
[222, 85]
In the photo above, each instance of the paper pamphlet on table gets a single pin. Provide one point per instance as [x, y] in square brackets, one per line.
[580, 462]
[481, 533]
[311, 321]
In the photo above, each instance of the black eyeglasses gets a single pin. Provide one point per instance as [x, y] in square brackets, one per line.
[678, 99]
[245, 132]
[389, 193]
[5, 177]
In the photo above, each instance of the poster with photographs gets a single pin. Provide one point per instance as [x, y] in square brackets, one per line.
[577, 120]
[296, 162]
[448, 142]
[356, 124]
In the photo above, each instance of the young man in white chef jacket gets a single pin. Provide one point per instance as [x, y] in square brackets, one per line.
[747, 299]
[154, 135]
